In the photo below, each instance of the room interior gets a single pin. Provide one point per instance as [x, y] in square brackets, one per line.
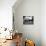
[22, 23]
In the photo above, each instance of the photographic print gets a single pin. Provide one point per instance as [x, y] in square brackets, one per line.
[28, 19]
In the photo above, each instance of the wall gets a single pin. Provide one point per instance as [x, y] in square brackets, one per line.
[43, 22]
[6, 13]
[29, 8]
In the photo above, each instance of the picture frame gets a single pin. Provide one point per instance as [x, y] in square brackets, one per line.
[28, 19]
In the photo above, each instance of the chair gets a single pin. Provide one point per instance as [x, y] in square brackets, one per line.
[18, 39]
[29, 43]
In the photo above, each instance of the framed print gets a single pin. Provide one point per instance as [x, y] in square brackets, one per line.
[28, 19]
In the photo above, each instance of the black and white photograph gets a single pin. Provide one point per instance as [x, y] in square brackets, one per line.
[28, 19]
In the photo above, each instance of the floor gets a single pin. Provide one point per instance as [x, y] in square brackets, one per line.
[9, 43]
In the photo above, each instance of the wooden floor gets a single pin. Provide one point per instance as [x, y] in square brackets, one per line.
[9, 43]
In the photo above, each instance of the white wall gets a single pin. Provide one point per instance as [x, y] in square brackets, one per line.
[6, 13]
[29, 8]
[43, 22]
